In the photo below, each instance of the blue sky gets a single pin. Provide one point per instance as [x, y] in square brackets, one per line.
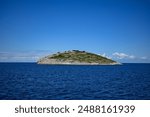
[119, 29]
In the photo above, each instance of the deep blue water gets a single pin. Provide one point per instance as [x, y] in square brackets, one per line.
[33, 81]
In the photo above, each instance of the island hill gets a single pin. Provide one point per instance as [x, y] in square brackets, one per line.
[76, 57]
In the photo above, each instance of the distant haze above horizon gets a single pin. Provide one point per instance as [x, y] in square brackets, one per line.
[117, 29]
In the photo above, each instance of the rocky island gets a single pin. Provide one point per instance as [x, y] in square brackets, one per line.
[76, 57]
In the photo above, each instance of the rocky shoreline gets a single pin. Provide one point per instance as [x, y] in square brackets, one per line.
[56, 62]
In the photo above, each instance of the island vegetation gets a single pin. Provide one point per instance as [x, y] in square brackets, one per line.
[76, 57]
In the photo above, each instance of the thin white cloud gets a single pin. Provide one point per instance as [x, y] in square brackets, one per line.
[22, 56]
[131, 57]
[123, 56]
[144, 58]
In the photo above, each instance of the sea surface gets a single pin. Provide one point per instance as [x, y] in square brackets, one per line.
[30, 81]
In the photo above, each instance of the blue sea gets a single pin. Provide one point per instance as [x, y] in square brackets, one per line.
[30, 81]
